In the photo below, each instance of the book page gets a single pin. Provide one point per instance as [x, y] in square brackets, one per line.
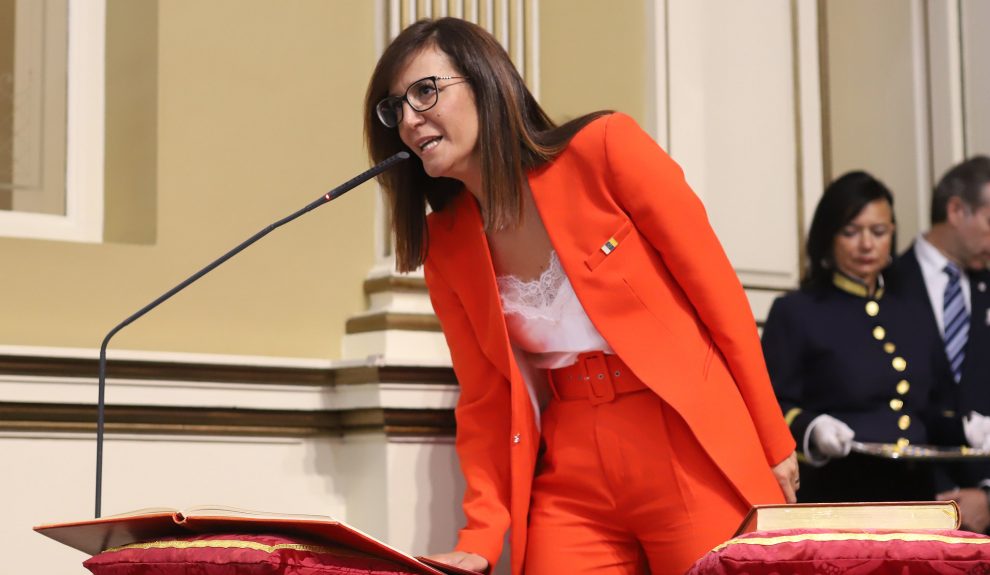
[96, 535]
[144, 511]
[228, 511]
[899, 515]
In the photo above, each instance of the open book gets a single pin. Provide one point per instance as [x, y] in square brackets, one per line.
[94, 536]
[903, 515]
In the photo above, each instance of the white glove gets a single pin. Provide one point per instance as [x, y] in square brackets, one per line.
[977, 430]
[831, 437]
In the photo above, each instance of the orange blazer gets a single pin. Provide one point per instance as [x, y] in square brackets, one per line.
[666, 299]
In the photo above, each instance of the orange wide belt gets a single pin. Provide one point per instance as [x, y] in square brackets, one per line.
[596, 377]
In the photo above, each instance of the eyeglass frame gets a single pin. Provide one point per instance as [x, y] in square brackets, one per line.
[405, 98]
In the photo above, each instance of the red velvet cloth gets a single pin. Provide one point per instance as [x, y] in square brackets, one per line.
[240, 554]
[823, 551]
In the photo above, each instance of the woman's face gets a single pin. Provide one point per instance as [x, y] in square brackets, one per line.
[862, 247]
[445, 137]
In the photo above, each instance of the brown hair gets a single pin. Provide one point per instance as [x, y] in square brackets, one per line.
[514, 133]
[965, 181]
[842, 201]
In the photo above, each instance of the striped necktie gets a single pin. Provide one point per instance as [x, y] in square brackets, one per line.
[956, 321]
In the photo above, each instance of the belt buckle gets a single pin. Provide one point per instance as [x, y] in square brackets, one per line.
[596, 373]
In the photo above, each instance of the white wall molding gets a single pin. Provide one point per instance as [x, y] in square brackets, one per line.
[85, 134]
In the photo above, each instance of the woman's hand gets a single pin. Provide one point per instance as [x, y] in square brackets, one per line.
[786, 473]
[462, 559]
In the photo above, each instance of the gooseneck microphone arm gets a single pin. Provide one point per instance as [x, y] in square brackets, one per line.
[331, 195]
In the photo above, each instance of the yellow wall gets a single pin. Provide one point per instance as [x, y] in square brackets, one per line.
[131, 164]
[7, 16]
[226, 115]
[873, 107]
[257, 114]
[594, 55]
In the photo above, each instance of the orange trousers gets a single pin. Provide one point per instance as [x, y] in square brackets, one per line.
[624, 488]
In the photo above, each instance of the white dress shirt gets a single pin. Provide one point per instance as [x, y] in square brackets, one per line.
[932, 263]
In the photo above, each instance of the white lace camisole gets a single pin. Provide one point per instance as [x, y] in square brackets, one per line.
[545, 319]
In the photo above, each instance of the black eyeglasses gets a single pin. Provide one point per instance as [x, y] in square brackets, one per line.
[422, 95]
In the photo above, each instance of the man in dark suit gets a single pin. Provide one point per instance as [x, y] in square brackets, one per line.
[945, 273]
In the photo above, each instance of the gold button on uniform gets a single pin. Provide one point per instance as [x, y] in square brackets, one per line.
[903, 387]
[879, 333]
[889, 347]
[899, 363]
[904, 422]
[517, 438]
[872, 308]
[903, 442]
[896, 404]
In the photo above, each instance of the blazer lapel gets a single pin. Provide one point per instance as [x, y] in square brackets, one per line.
[471, 274]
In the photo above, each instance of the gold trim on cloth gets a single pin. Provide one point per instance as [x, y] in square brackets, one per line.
[233, 544]
[768, 541]
[855, 287]
[792, 414]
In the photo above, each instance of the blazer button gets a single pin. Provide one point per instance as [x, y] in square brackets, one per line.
[516, 438]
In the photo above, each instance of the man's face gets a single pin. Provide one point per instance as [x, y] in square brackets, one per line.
[972, 229]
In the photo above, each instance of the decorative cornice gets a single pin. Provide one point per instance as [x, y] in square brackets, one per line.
[226, 422]
[223, 373]
[167, 420]
[383, 321]
[400, 422]
[394, 374]
[394, 283]
[162, 370]
[33, 415]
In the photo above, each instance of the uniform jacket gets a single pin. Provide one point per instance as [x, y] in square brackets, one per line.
[827, 354]
[665, 298]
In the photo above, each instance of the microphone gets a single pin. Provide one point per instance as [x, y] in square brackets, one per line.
[329, 196]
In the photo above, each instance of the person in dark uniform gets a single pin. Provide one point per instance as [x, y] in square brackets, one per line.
[944, 276]
[843, 357]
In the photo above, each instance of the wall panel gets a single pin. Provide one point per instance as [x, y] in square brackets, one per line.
[976, 51]
[878, 102]
[734, 99]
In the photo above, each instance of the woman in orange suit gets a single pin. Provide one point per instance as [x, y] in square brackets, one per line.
[615, 413]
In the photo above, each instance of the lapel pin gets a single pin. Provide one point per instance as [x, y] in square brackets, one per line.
[610, 245]
[982, 286]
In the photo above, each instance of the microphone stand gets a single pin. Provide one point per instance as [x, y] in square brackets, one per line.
[331, 195]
